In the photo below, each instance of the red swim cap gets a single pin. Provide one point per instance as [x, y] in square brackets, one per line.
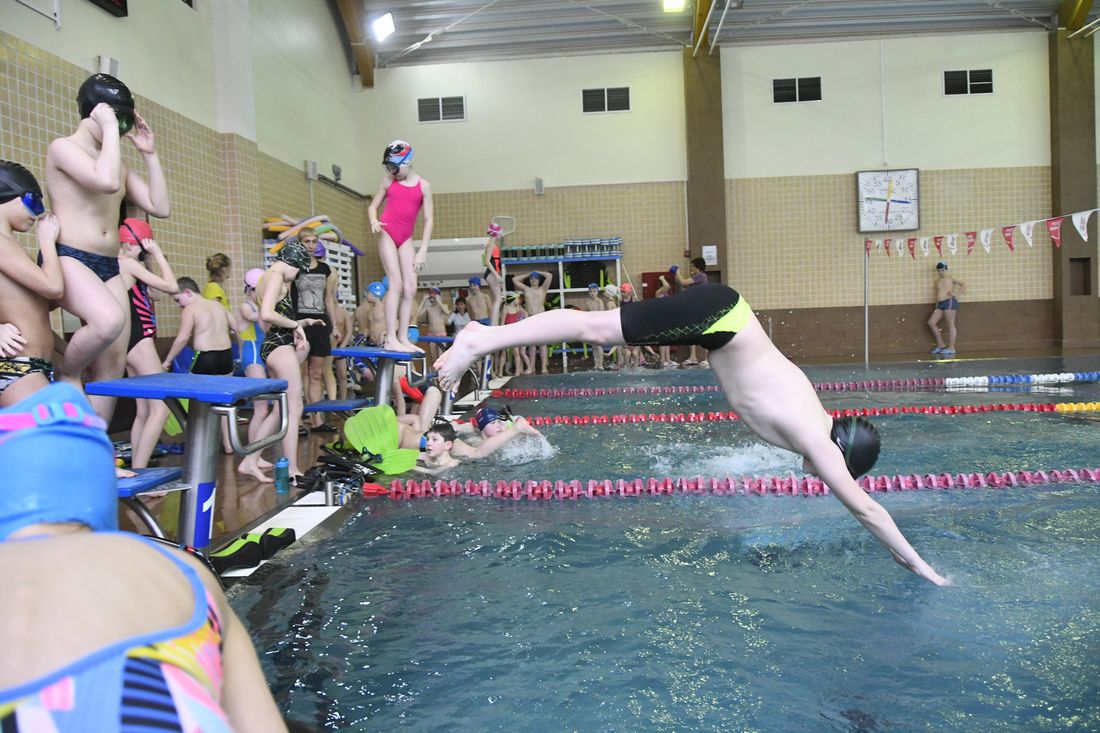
[133, 231]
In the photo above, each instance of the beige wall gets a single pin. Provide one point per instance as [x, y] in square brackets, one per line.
[524, 121]
[220, 185]
[790, 196]
[846, 131]
[804, 253]
[175, 69]
[308, 105]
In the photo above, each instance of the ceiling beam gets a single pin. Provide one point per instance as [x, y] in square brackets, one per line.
[351, 11]
[1072, 14]
[699, 25]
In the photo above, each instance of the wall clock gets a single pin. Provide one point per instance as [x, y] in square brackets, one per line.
[888, 201]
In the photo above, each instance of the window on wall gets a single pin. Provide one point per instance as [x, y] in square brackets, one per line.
[968, 81]
[805, 89]
[441, 109]
[611, 99]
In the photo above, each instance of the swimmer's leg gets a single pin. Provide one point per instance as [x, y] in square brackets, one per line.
[949, 316]
[548, 327]
[98, 345]
[933, 325]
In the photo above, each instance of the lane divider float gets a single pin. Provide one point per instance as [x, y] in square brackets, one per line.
[866, 385]
[791, 485]
[719, 415]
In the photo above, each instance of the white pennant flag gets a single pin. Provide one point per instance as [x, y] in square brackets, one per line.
[985, 236]
[952, 243]
[899, 247]
[878, 244]
[1025, 229]
[1081, 221]
[924, 246]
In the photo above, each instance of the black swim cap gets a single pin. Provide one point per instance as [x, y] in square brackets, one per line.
[15, 180]
[858, 440]
[294, 253]
[109, 90]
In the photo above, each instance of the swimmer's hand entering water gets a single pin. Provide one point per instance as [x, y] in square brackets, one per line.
[924, 570]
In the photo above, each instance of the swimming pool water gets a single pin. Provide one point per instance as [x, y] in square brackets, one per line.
[704, 612]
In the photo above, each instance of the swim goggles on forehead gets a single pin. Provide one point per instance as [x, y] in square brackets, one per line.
[33, 202]
[48, 414]
[125, 120]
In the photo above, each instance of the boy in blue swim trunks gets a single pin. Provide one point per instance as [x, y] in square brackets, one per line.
[771, 395]
[948, 289]
[88, 181]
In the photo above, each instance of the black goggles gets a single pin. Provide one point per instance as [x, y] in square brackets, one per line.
[33, 202]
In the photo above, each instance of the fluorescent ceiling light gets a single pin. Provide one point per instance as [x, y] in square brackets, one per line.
[381, 28]
[673, 6]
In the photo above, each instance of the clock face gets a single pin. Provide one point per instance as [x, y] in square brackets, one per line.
[888, 201]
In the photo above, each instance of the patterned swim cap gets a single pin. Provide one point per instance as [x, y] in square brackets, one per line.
[294, 254]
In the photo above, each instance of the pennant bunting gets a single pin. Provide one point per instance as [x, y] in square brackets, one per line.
[899, 247]
[1081, 221]
[939, 245]
[1054, 226]
[867, 246]
[912, 242]
[985, 236]
[887, 243]
[952, 243]
[1025, 229]
[1008, 233]
[971, 237]
[878, 244]
[924, 246]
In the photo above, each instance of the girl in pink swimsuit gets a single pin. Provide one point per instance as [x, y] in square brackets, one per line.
[405, 194]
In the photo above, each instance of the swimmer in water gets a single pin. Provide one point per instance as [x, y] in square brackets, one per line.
[770, 394]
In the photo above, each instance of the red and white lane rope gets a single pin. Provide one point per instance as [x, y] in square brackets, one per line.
[790, 485]
[717, 416]
[865, 385]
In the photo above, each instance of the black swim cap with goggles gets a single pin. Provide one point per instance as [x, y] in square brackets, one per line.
[105, 89]
[857, 438]
[16, 182]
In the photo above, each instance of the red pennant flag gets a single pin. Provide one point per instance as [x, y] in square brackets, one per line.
[912, 242]
[1054, 226]
[1008, 233]
[867, 247]
[939, 244]
[971, 237]
[886, 243]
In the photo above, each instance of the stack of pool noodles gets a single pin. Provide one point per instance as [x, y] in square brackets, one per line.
[286, 228]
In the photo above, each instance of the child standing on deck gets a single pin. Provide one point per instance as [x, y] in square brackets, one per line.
[405, 194]
[26, 289]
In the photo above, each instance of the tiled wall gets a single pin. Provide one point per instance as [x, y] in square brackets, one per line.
[793, 241]
[220, 185]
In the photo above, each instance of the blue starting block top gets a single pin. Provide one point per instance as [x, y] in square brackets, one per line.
[373, 352]
[198, 387]
[337, 405]
[147, 479]
[437, 339]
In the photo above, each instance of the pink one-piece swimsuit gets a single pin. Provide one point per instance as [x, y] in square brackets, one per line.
[402, 207]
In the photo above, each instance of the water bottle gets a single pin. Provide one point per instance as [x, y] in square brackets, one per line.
[282, 476]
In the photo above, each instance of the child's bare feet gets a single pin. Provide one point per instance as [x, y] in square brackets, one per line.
[123, 473]
[410, 347]
[392, 345]
[249, 468]
[454, 362]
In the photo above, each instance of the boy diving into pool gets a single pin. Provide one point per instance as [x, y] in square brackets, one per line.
[770, 394]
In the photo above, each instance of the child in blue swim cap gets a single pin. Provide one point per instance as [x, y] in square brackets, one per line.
[96, 613]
